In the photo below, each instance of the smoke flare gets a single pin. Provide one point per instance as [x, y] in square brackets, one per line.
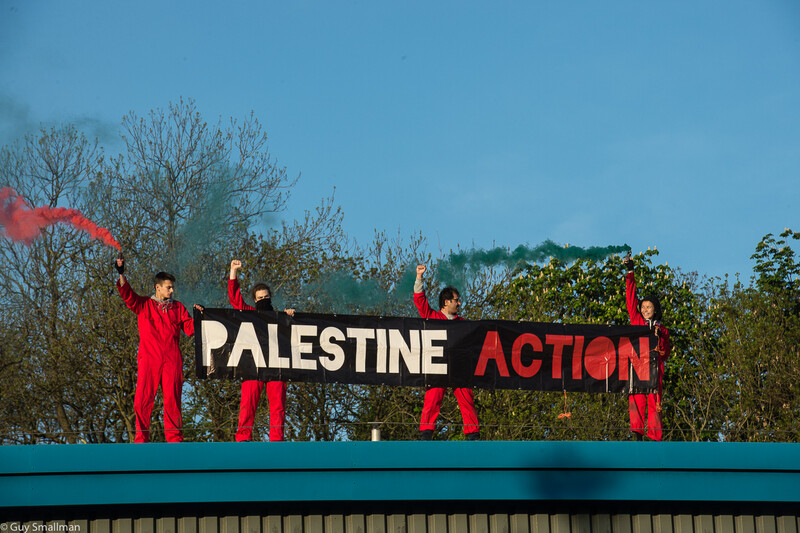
[20, 223]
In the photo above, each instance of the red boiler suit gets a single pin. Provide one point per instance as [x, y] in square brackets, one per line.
[159, 360]
[648, 406]
[252, 389]
[435, 395]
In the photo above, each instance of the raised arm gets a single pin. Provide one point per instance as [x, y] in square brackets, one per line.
[234, 292]
[631, 300]
[236, 266]
[134, 302]
[420, 299]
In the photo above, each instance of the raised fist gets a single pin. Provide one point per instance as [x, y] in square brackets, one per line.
[628, 263]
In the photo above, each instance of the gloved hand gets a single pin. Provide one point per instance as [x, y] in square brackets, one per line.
[119, 264]
[628, 262]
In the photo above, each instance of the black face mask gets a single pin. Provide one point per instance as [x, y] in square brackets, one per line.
[264, 304]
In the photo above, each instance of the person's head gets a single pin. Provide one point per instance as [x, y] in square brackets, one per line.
[165, 285]
[449, 301]
[650, 308]
[262, 296]
[261, 291]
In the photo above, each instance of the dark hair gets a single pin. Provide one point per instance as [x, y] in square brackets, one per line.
[161, 277]
[448, 293]
[261, 287]
[656, 306]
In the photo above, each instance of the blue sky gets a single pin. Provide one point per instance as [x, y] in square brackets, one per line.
[674, 124]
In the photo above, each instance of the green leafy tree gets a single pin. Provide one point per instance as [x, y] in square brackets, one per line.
[777, 269]
[755, 350]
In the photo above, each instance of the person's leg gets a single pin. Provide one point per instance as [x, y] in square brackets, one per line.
[251, 394]
[172, 389]
[654, 416]
[636, 407]
[276, 394]
[146, 385]
[466, 403]
[430, 409]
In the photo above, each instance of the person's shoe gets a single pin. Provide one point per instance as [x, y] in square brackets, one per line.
[426, 434]
[637, 436]
[474, 436]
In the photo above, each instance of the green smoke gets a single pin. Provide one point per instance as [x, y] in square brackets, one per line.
[203, 238]
[460, 267]
[340, 292]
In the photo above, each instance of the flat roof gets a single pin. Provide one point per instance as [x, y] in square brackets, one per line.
[114, 474]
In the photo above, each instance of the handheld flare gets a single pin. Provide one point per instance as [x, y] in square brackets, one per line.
[120, 267]
[628, 261]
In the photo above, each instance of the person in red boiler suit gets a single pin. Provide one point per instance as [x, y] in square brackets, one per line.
[252, 389]
[646, 312]
[159, 360]
[449, 302]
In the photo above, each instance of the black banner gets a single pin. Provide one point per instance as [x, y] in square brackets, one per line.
[486, 354]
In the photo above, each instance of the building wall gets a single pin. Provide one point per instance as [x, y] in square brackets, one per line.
[423, 523]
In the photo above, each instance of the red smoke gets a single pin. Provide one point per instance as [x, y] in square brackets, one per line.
[21, 223]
